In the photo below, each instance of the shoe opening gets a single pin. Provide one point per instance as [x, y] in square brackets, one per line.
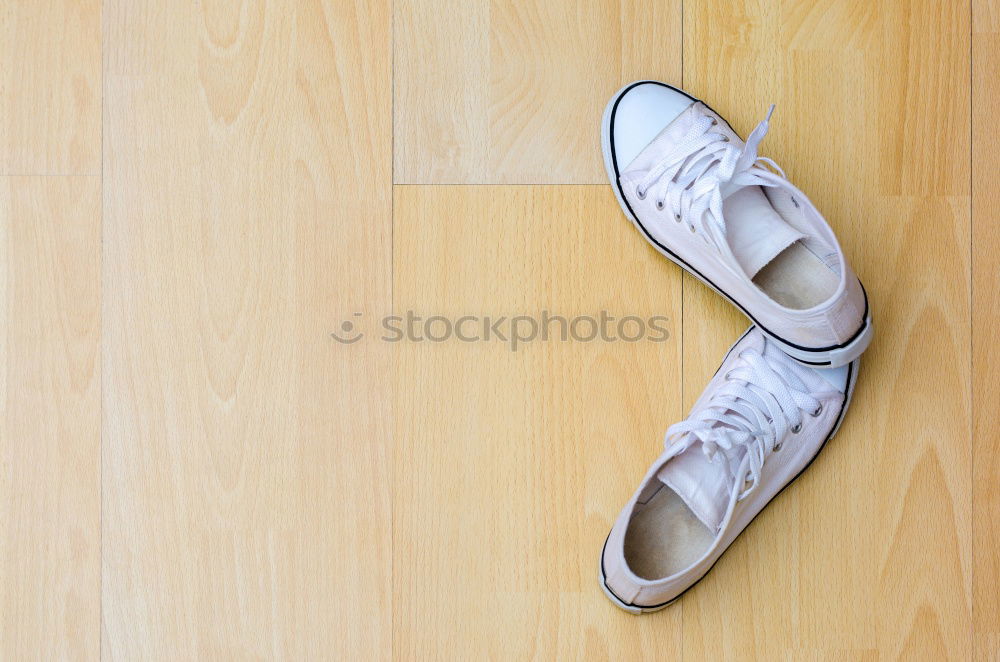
[780, 259]
[664, 536]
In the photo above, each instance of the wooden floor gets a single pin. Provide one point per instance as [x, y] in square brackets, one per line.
[194, 195]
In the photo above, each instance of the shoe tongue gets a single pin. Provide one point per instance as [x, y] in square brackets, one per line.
[756, 233]
[705, 486]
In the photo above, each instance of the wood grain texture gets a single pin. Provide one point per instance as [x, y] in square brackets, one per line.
[511, 465]
[50, 87]
[870, 553]
[248, 204]
[512, 92]
[191, 467]
[985, 321]
[50, 421]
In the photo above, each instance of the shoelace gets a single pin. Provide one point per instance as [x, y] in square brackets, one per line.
[759, 403]
[701, 170]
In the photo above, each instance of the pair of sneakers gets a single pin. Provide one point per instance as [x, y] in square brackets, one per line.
[708, 202]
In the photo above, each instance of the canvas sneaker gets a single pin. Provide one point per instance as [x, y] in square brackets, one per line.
[762, 420]
[706, 201]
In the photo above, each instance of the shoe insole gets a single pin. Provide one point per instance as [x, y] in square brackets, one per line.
[664, 536]
[797, 278]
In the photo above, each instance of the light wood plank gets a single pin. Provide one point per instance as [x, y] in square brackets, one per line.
[986, 320]
[870, 553]
[247, 213]
[510, 466]
[50, 418]
[505, 93]
[50, 87]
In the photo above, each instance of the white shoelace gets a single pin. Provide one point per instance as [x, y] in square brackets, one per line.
[758, 405]
[701, 171]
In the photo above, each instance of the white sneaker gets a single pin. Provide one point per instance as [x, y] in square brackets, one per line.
[762, 420]
[699, 195]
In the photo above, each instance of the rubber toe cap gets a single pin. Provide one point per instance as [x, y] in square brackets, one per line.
[641, 112]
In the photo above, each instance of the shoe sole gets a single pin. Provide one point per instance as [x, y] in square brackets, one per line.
[833, 356]
[852, 379]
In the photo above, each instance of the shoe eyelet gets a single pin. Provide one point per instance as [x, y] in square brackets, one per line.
[691, 228]
[677, 217]
[659, 205]
[714, 121]
[797, 428]
[819, 410]
[795, 202]
[639, 193]
[777, 448]
[725, 139]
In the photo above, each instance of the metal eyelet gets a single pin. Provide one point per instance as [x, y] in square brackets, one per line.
[777, 448]
[639, 193]
[797, 428]
[677, 217]
[659, 205]
[819, 410]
